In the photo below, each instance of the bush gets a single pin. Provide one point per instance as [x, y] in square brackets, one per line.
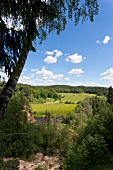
[91, 151]
[9, 165]
[69, 102]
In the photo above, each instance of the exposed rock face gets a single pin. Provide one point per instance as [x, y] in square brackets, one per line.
[26, 165]
[41, 161]
[30, 117]
[46, 162]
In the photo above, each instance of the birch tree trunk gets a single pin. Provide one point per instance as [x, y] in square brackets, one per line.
[9, 88]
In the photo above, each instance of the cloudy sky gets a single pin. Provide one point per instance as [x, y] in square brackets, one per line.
[81, 55]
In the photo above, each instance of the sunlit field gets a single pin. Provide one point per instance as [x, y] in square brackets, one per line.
[59, 108]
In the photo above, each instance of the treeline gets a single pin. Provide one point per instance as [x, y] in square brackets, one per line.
[41, 93]
[37, 94]
[51, 91]
[79, 89]
[70, 89]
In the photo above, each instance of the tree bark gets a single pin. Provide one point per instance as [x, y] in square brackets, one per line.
[9, 88]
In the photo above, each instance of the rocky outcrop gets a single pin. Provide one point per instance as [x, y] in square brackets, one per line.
[40, 162]
[30, 117]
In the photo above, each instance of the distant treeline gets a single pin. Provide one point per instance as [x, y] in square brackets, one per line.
[79, 89]
[44, 92]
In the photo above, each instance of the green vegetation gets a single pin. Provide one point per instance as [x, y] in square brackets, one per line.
[21, 139]
[17, 40]
[59, 108]
[74, 97]
[93, 145]
[9, 165]
[55, 109]
[83, 139]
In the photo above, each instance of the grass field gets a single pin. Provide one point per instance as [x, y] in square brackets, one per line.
[58, 109]
[75, 97]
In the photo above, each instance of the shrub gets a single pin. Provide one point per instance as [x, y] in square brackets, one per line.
[9, 165]
[92, 150]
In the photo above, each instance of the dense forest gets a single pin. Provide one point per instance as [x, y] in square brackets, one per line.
[83, 139]
[37, 92]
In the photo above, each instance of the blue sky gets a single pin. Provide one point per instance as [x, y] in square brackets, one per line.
[81, 55]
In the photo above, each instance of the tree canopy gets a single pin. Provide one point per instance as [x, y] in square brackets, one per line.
[22, 21]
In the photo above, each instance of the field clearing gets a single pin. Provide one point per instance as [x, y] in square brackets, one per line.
[55, 109]
[58, 109]
[75, 97]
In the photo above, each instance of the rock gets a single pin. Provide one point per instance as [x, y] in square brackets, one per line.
[42, 161]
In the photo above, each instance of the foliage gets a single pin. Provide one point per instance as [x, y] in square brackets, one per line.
[18, 138]
[110, 96]
[93, 144]
[37, 18]
[9, 165]
[53, 136]
[28, 139]
[29, 20]
[85, 138]
[69, 102]
[100, 91]
[91, 151]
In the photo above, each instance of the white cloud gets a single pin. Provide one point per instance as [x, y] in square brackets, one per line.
[66, 78]
[44, 81]
[79, 75]
[75, 58]
[108, 73]
[106, 39]
[86, 84]
[107, 76]
[58, 53]
[44, 72]
[25, 78]
[34, 70]
[49, 52]
[50, 60]
[77, 71]
[39, 80]
[98, 42]
[50, 81]
[57, 76]
[32, 75]
[45, 78]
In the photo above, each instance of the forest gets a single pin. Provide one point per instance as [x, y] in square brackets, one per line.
[82, 137]
[82, 140]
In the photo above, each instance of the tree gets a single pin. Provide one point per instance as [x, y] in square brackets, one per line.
[110, 96]
[30, 19]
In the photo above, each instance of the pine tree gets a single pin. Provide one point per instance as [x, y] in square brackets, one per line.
[110, 96]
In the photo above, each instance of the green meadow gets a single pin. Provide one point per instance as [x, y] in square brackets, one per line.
[75, 97]
[59, 108]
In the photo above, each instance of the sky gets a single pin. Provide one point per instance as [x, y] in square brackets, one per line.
[81, 55]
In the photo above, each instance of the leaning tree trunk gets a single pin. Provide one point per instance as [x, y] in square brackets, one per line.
[9, 88]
